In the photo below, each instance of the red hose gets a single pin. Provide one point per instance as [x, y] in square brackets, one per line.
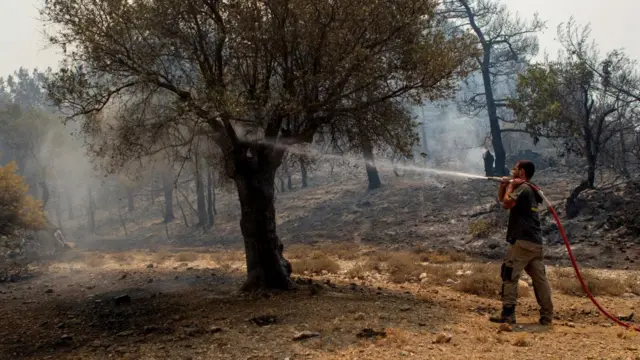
[575, 265]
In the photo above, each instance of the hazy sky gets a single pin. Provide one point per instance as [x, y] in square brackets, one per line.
[613, 26]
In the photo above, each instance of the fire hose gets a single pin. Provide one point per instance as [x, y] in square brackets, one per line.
[585, 288]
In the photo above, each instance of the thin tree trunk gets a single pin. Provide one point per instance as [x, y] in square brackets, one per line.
[130, 202]
[211, 206]
[58, 209]
[285, 168]
[184, 216]
[266, 265]
[122, 220]
[167, 187]
[200, 197]
[303, 171]
[623, 153]
[92, 215]
[494, 122]
[372, 171]
[70, 208]
[492, 111]
[282, 188]
[152, 193]
[45, 194]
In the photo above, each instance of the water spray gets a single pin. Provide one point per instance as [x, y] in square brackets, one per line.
[571, 257]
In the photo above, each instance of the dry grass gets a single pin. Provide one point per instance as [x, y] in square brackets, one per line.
[121, 257]
[439, 256]
[458, 256]
[228, 256]
[379, 255]
[187, 256]
[94, 259]
[482, 228]
[297, 251]
[483, 281]
[522, 340]
[161, 257]
[439, 274]
[316, 263]
[565, 280]
[396, 338]
[358, 271]
[343, 250]
[633, 282]
[404, 267]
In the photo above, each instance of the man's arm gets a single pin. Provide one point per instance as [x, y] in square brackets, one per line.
[510, 195]
[507, 200]
[502, 190]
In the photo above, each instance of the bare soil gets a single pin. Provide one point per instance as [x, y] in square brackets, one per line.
[403, 261]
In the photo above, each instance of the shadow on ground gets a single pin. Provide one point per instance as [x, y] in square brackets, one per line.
[198, 314]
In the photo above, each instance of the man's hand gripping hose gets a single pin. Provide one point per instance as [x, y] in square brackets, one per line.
[572, 258]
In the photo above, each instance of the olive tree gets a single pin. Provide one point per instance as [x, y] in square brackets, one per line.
[253, 77]
[568, 101]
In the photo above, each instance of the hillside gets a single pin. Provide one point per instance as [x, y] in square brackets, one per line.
[417, 260]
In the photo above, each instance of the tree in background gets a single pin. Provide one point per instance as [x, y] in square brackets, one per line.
[567, 100]
[18, 210]
[32, 134]
[247, 76]
[508, 43]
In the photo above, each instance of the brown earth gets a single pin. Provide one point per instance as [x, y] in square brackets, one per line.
[407, 260]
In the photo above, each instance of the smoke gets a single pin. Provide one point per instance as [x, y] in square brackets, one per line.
[64, 166]
[450, 139]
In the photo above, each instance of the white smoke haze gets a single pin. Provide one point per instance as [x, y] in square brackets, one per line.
[451, 140]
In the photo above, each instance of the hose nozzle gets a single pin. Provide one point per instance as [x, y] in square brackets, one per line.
[495, 179]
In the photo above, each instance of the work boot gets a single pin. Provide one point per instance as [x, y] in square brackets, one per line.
[508, 315]
[544, 321]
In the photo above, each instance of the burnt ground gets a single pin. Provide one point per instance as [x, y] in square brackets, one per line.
[415, 260]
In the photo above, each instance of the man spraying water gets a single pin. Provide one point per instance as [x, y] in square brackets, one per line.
[525, 251]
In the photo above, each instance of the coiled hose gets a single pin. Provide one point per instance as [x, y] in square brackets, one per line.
[573, 259]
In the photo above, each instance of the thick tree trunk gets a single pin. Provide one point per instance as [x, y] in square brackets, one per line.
[167, 187]
[211, 197]
[92, 213]
[372, 171]
[130, 203]
[572, 207]
[303, 171]
[266, 266]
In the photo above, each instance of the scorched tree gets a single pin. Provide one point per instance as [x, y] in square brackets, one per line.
[252, 76]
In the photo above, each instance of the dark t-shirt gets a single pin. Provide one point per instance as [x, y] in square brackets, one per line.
[524, 221]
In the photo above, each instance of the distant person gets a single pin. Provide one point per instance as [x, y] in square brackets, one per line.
[525, 251]
[488, 162]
